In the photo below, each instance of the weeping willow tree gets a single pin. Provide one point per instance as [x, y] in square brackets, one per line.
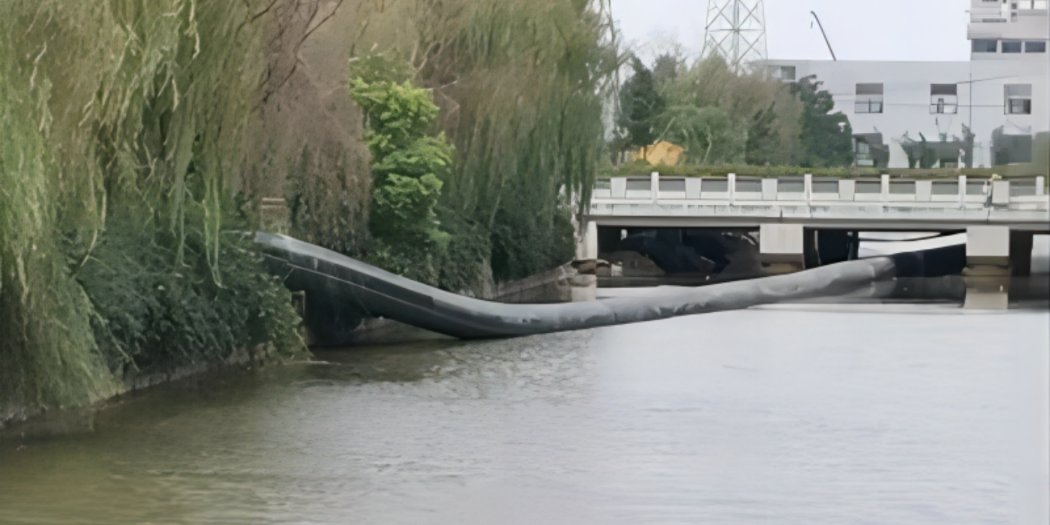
[125, 122]
[520, 85]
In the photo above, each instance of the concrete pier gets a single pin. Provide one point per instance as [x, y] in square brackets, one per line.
[987, 272]
[782, 248]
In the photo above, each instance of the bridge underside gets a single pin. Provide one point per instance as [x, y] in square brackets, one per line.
[962, 264]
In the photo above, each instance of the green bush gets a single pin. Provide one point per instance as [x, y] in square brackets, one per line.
[406, 168]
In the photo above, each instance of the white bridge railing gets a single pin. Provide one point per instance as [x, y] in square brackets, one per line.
[962, 199]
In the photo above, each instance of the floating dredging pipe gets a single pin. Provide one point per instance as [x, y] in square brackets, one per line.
[326, 274]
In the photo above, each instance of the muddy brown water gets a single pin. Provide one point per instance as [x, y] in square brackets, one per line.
[778, 415]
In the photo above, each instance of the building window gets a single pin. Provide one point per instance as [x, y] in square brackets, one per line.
[1018, 99]
[944, 99]
[1011, 46]
[984, 46]
[1035, 46]
[869, 98]
[787, 73]
[862, 154]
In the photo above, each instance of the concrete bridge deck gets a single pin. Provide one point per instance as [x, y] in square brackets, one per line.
[859, 204]
[802, 222]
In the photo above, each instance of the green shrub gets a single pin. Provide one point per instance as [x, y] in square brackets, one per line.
[406, 168]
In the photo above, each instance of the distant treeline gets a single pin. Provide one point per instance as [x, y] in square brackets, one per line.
[725, 116]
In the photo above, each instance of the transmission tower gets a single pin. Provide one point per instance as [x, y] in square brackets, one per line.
[736, 31]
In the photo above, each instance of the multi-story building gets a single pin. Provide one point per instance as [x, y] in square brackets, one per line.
[991, 110]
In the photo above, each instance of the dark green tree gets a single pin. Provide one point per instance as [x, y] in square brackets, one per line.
[665, 69]
[761, 136]
[640, 105]
[827, 139]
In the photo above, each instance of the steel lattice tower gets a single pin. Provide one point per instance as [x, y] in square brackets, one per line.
[736, 30]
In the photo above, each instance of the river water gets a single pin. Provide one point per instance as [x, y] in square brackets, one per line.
[807, 415]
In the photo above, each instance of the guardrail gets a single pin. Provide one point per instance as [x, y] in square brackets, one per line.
[962, 198]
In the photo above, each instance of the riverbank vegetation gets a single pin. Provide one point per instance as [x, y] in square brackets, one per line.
[143, 139]
[516, 90]
[454, 143]
[125, 124]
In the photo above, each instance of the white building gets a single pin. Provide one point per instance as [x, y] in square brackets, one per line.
[918, 113]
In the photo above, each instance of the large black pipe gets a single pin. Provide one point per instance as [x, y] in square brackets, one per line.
[324, 273]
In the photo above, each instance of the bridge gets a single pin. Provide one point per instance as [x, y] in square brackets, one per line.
[748, 241]
[883, 203]
[804, 222]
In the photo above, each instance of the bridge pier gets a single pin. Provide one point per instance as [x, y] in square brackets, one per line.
[584, 285]
[782, 248]
[587, 246]
[988, 265]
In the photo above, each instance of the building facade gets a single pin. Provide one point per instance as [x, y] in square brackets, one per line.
[991, 110]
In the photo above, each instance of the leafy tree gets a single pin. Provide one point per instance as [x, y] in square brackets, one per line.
[761, 135]
[520, 85]
[665, 69]
[708, 134]
[826, 138]
[407, 166]
[766, 136]
[640, 105]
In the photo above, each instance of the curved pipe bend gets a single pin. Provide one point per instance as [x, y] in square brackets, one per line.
[381, 293]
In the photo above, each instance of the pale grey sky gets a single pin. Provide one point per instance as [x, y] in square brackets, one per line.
[858, 29]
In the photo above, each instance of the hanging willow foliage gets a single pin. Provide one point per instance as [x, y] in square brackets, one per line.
[132, 119]
[520, 84]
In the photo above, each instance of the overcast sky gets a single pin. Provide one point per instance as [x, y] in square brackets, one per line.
[870, 30]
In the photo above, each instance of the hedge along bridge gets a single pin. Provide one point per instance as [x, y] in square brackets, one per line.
[800, 220]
